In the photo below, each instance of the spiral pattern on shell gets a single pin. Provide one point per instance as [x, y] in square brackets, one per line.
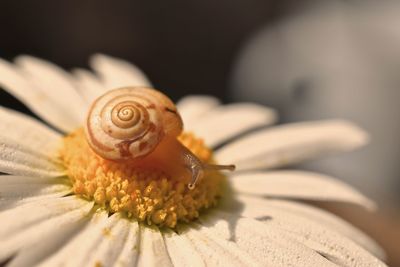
[127, 123]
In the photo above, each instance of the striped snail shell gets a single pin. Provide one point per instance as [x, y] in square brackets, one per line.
[128, 123]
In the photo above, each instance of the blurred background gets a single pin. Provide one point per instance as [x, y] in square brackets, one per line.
[308, 59]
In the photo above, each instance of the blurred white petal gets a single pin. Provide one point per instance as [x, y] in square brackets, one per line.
[332, 246]
[153, 251]
[182, 251]
[334, 59]
[56, 84]
[217, 251]
[18, 159]
[332, 221]
[337, 248]
[130, 251]
[224, 122]
[267, 245]
[298, 185]
[295, 214]
[13, 81]
[193, 107]
[29, 132]
[17, 190]
[116, 73]
[111, 241]
[291, 143]
[50, 238]
[25, 225]
[89, 86]
[77, 250]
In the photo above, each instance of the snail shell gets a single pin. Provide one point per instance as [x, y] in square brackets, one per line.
[128, 123]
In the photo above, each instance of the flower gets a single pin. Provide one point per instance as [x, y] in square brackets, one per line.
[48, 219]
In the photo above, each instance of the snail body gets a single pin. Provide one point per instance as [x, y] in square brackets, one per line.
[140, 126]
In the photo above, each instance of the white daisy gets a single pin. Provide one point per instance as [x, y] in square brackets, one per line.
[62, 206]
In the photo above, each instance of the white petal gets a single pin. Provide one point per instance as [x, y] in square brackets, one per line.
[20, 160]
[227, 121]
[33, 213]
[193, 107]
[112, 241]
[90, 87]
[77, 251]
[217, 251]
[298, 185]
[129, 253]
[267, 245]
[116, 72]
[29, 132]
[332, 221]
[291, 143]
[295, 214]
[50, 238]
[17, 190]
[56, 84]
[25, 225]
[334, 247]
[153, 251]
[13, 81]
[181, 250]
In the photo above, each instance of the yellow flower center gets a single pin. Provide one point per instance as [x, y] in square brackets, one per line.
[145, 193]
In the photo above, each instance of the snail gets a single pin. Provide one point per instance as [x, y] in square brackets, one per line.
[140, 126]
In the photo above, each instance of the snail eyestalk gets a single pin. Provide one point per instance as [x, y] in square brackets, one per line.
[198, 171]
[216, 167]
[198, 168]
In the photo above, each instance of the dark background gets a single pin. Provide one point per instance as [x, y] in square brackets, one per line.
[183, 46]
